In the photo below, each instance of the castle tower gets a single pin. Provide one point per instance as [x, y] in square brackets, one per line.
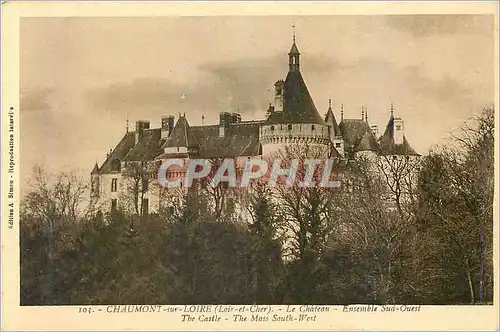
[295, 119]
[335, 133]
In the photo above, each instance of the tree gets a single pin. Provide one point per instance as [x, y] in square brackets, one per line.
[456, 214]
[49, 218]
[304, 210]
[266, 262]
[138, 177]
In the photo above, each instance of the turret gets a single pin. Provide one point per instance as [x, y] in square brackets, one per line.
[279, 88]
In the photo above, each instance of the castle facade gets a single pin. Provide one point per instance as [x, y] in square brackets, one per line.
[291, 119]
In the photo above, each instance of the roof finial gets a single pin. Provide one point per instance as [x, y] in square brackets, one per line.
[203, 119]
[293, 26]
[330, 103]
[341, 112]
[362, 112]
[392, 108]
[366, 114]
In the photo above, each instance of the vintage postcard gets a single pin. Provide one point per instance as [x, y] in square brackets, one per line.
[249, 166]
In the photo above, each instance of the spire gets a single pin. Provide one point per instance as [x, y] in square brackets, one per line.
[95, 170]
[341, 112]
[362, 112]
[331, 121]
[392, 109]
[366, 114]
[294, 55]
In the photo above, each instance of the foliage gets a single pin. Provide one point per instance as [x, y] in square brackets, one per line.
[396, 231]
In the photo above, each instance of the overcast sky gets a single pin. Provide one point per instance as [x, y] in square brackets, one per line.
[82, 77]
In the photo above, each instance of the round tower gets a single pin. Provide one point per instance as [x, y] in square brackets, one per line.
[294, 119]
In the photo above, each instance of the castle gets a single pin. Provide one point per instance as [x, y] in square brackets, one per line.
[291, 119]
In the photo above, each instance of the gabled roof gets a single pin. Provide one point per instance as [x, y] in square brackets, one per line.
[367, 143]
[331, 121]
[147, 148]
[180, 136]
[120, 151]
[358, 135]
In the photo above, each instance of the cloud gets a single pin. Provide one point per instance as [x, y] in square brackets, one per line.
[421, 25]
[35, 99]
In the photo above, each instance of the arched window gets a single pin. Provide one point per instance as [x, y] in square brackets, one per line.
[272, 128]
[289, 127]
[312, 127]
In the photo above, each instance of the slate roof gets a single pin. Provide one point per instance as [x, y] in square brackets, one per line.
[95, 170]
[240, 139]
[357, 135]
[294, 49]
[181, 135]
[387, 145]
[367, 143]
[148, 147]
[330, 120]
[120, 151]
[298, 106]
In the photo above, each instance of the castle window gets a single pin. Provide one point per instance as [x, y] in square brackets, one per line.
[145, 184]
[114, 184]
[337, 145]
[113, 204]
[272, 128]
[312, 127]
[398, 127]
[289, 127]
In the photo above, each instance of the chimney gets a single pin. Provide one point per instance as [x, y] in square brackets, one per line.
[374, 129]
[224, 121]
[235, 118]
[167, 125]
[398, 131]
[279, 95]
[140, 126]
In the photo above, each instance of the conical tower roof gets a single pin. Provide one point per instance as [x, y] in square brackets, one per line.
[330, 119]
[95, 170]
